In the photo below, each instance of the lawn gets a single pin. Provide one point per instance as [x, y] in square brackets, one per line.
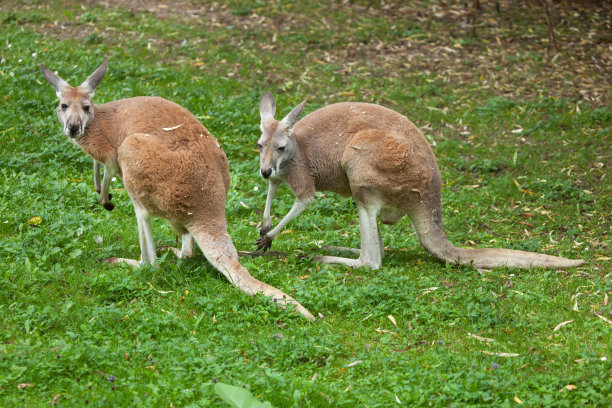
[522, 136]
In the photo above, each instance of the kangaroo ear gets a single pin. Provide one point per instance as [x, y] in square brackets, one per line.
[94, 79]
[56, 82]
[294, 115]
[267, 107]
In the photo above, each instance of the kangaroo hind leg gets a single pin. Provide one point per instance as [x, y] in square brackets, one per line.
[145, 235]
[187, 248]
[371, 252]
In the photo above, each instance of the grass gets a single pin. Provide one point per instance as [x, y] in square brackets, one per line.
[522, 138]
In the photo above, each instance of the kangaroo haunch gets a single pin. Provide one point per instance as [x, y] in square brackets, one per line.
[171, 166]
[381, 159]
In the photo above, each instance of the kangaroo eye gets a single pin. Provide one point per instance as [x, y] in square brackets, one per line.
[86, 108]
[280, 148]
[259, 146]
[64, 106]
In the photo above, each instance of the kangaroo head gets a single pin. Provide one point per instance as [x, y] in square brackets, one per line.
[276, 144]
[76, 109]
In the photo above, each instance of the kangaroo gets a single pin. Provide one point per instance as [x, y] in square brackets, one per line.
[171, 166]
[384, 162]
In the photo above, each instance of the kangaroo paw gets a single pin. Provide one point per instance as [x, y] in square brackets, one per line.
[264, 243]
[109, 206]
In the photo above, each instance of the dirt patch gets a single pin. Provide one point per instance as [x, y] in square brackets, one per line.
[488, 49]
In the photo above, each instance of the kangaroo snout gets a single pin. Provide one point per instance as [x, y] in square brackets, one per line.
[265, 173]
[74, 130]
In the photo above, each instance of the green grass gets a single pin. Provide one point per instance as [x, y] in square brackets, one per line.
[523, 143]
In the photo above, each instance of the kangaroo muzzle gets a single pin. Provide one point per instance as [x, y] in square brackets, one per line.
[73, 130]
[266, 172]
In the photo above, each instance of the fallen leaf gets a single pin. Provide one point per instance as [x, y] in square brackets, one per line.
[500, 354]
[55, 398]
[479, 337]
[560, 325]
[568, 387]
[24, 385]
[428, 290]
[379, 330]
[354, 363]
[604, 318]
[163, 292]
[517, 400]
[392, 320]
[173, 127]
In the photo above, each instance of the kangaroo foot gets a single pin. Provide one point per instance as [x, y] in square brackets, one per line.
[353, 263]
[131, 262]
[354, 251]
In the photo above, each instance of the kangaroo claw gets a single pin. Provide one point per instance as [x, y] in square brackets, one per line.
[263, 243]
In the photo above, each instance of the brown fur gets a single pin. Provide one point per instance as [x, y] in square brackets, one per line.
[381, 159]
[171, 166]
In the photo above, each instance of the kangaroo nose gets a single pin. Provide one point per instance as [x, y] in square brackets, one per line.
[266, 173]
[74, 129]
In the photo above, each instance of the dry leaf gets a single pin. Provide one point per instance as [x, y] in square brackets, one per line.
[517, 400]
[392, 320]
[354, 363]
[428, 290]
[479, 337]
[560, 325]
[397, 399]
[163, 292]
[173, 127]
[500, 354]
[379, 330]
[24, 385]
[55, 398]
[568, 387]
[603, 318]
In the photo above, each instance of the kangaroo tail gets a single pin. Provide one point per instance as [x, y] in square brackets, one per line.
[221, 253]
[427, 221]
